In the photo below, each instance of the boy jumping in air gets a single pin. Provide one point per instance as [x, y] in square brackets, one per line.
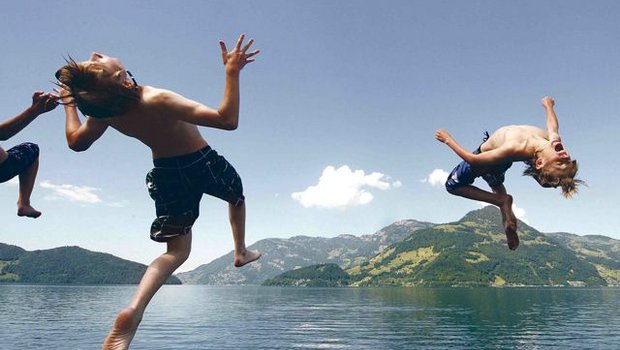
[185, 165]
[23, 159]
[547, 161]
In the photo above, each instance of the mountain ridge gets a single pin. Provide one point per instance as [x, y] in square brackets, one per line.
[68, 265]
[280, 254]
[472, 252]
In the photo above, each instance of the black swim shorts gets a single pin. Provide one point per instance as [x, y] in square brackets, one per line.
[176, 184]
[20, 158]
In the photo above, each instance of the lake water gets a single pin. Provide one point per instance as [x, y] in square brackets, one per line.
[252, 317]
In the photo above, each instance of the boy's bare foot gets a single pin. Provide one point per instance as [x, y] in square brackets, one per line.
[511, 236]
[246, 257]
[510, 223]
[124, 329]
[28, 211]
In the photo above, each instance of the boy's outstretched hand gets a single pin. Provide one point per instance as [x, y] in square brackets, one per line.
[547, 102]
[43, 102]
[239, 56]
[442, 135]
[63, 94]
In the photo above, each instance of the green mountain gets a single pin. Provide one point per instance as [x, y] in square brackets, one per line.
[10, 252]
[324, 275]
[71, 265]
[473, 252]
[280, 255]
[600, 251]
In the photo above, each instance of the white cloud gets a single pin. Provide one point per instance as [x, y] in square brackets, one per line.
[520, 213]
[437, 177]
[343, 188]
[82, 194]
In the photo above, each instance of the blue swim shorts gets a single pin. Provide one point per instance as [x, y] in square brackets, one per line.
[19, 160]
[462, 174]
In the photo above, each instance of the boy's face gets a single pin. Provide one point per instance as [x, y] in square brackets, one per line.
[554, 158]
[109, 64]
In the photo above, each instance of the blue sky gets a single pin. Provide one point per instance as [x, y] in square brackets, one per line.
[337, 113]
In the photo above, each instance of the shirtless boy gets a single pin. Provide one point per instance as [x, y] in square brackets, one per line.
[23, 159]
[547, 161]
[185, 165]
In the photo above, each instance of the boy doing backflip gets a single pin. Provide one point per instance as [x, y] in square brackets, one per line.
[547, 161]
[185, 165]
[23, 159]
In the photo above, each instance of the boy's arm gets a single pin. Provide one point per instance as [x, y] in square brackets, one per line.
[182, 108]
[81, 136]
[496, 156]
[552, 119]
[227, 115]
[41, 103]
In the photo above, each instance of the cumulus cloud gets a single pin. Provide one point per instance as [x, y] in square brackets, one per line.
[82, 194]
[520, 214]
[343, 188]
[437, 177]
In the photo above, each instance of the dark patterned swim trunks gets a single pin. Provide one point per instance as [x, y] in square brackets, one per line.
[177, 184]
[20, 158]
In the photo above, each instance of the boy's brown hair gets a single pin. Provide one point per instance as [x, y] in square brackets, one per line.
[95, 92]
[568, 182]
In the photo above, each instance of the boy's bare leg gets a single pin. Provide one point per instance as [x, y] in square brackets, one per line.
[236, 214]
[501, 199]
[511, 227]
[26, 184]
[155, 276]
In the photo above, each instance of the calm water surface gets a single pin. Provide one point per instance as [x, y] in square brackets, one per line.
[206, 317]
